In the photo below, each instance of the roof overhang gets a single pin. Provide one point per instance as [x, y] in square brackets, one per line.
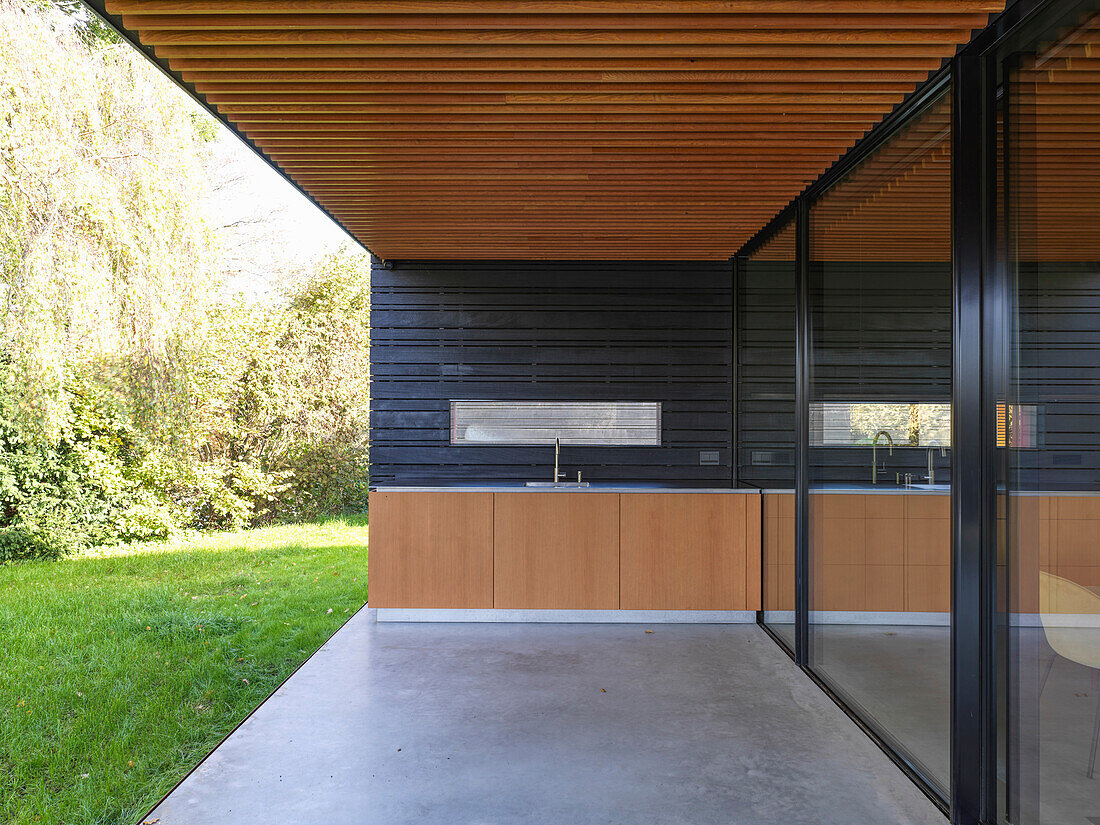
[551, 129]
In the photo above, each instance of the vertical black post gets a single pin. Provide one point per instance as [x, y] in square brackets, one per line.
[971, 447]
[802, 433]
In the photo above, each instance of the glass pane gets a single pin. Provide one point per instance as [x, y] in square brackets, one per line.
[880, 390]
[1049, 423]
[765, 412]
[573, 423]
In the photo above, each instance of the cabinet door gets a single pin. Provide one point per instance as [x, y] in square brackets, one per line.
[689, 551]
[556, 550]
[928, 553]
[430, 550]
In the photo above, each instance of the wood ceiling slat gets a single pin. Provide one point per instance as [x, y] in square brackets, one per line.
[414, 92]
[679, 159]
[589, 138]
[341, 91]
[604, 128]
[870, 108]
[321, 122]
[310, 24]
[547, 131]
[360, 99]
[320, 81]
[558, 51]
[334, 69]
[323, 37]
[618, 7]
[808, 149]
[788, 154]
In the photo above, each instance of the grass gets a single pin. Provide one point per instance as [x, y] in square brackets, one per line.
[119, 672]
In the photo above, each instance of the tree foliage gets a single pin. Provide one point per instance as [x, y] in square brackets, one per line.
[135, 397]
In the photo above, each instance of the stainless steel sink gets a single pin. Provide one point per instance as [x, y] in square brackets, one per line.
[556, 484]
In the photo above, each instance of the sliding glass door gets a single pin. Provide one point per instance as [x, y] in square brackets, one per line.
[941, 551]
[879, 296]
[1049, 420]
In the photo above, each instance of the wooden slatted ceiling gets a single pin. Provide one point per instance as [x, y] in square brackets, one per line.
[552, 129]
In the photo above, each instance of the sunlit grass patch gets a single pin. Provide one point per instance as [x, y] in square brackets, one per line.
[120, 671]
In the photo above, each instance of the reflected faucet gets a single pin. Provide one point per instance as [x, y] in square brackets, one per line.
[931, 466]
[874, 453]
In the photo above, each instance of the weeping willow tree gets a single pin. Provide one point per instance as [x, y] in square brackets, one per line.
[133, 395]
[106, 256]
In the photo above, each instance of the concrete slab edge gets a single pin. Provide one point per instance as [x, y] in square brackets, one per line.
[405, 614]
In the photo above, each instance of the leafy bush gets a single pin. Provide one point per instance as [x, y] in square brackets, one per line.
[324, 480]
[50, 536]
[82, 489]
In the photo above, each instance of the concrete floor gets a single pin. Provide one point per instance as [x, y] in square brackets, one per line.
[899, 678]
[503, 723]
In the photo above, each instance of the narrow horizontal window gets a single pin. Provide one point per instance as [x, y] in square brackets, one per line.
[575, 423]
[859, 423]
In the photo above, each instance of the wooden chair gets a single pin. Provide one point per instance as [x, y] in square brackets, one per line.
[1058, 596]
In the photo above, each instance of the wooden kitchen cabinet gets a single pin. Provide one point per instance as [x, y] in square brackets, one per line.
[689, 551]
[556, 550]
[430, 549]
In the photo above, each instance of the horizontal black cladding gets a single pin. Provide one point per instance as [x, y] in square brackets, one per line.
[765, 373]
[577, 331]
[1058, 371]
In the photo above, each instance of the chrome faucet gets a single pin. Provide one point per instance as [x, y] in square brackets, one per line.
[557, 450]
[874, 453]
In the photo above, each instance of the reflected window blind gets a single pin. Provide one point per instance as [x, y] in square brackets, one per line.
[573, 423]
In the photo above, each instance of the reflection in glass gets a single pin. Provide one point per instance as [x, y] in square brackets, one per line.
[880, 389]
[765, 412]
[857, 423]
[1049, 424]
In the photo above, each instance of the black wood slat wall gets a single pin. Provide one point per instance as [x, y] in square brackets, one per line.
[578, 331]
[1059, 371]
[662, 332]
[765, 372]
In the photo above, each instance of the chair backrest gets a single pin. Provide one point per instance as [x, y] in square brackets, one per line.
[1059, 597]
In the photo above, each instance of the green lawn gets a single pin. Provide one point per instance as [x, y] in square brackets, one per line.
[118, 673]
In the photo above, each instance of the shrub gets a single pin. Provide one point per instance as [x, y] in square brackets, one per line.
[77, 491]
[324, 480]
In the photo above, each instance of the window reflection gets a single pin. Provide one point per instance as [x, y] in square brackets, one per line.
[880, 539]
[765, 412]
[856, 423]
[1049, 575]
